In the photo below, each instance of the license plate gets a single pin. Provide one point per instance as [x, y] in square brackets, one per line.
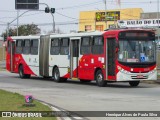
[139, 76]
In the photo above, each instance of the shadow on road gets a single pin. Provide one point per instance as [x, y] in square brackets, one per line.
[92, 83]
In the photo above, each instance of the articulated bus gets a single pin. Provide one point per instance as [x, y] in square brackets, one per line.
[126, 55]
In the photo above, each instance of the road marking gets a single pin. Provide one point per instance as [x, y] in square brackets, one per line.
[78, 118]
[70, 117]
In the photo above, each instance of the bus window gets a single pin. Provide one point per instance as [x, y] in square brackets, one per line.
[55, 46]
[34, 47]
[19, 46]
[98, 45]
[85, 45]
[64, 46]
[26, 48]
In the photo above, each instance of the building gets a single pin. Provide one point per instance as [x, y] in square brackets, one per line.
[153, 16]
[149, 20]
[95, 20]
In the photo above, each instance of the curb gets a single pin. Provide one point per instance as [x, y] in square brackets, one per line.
[53, 109]
[152, 82]
[56, 108]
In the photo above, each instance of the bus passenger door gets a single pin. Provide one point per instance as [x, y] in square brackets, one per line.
[74, 58]
[111, 54]
[44, 56]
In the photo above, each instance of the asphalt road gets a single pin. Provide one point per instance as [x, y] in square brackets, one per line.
[77, 96]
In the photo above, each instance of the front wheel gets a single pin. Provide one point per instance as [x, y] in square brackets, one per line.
[134, 83]
[100, 79]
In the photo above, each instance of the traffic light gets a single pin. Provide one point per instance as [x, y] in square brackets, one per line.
[52, 10]
[47, 10]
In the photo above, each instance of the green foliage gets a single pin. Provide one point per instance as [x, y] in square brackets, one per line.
[14, 102]
[28, 29]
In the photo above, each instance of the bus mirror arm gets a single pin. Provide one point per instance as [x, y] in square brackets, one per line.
[117, 47]
[117, 50]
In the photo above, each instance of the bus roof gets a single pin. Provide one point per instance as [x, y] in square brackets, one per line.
[79, 34]
[25, 37]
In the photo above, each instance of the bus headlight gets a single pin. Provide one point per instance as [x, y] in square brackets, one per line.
[122, 70]
[154, 70]
[119, 68]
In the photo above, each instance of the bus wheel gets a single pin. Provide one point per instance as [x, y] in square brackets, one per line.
[56, 74]
[27, 76]
[100, 79]
[134, 83]
[21, 73]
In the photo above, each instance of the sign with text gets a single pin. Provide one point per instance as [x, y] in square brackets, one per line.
[80, 114]
[27, 4]
[110, 16]
[139, 23]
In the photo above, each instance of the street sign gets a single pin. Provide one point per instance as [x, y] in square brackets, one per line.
[27, 4]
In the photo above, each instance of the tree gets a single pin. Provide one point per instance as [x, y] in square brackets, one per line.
[58, 31]
[28, 29]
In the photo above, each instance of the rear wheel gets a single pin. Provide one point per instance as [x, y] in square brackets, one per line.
[100, 79]
[134, 83]
[27, 75]
[21, 73]
[56, 74]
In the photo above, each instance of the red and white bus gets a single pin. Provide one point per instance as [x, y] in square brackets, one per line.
[110, 56]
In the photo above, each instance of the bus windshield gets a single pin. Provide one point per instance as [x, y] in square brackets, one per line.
[137, 51]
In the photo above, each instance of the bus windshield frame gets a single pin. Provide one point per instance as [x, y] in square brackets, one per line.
[137, 47]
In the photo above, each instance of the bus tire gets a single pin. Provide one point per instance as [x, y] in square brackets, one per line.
[56, 75]
[134, 83]
[27, 75]
[63, 79]
[100, 79]
[21, 73]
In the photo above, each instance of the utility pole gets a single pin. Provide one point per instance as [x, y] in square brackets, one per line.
[8, 24]
[105, 13]
[52, 17]
[17, 21]
[158, 19]
[18, 16]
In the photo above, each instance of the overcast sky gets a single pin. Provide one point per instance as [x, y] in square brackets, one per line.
[67, 12]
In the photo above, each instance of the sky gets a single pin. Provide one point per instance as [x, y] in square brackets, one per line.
[67, 12]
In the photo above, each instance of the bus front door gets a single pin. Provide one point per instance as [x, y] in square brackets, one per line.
[111, 54]
[74, 58]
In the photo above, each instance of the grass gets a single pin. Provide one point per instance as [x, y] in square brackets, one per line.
[14, 102]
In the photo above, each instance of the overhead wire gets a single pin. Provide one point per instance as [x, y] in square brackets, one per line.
[82, 5]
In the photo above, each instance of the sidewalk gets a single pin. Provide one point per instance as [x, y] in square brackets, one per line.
[3, 64]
